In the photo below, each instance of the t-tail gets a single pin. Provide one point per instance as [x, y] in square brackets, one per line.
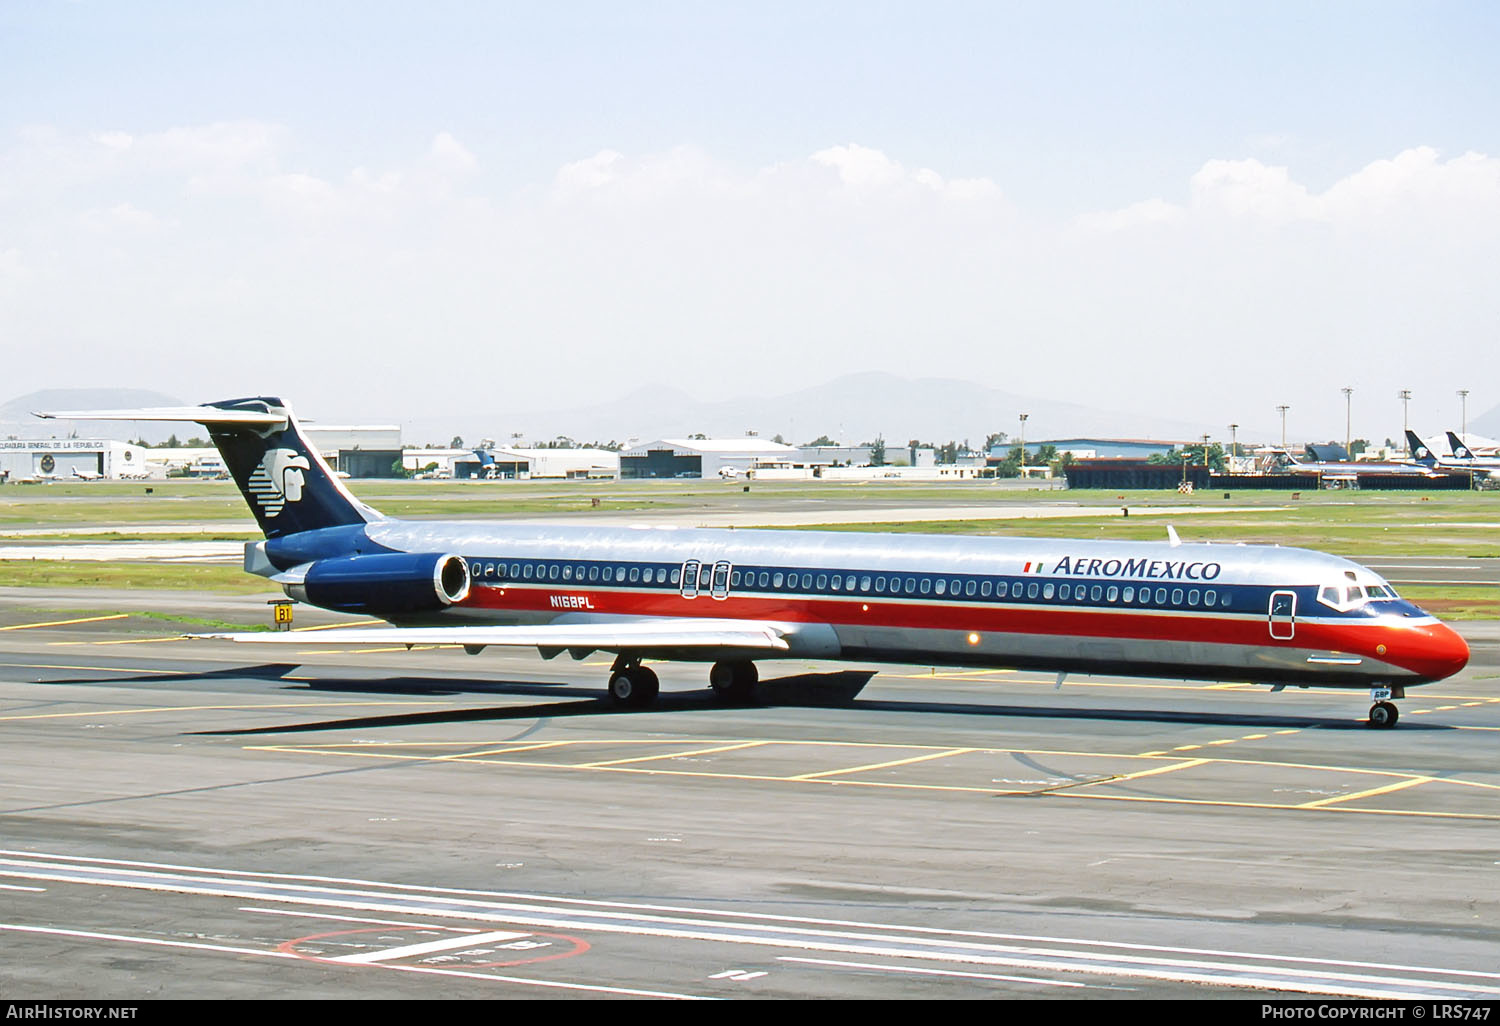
[284, 480]
[1459, 447]
[1420, 450]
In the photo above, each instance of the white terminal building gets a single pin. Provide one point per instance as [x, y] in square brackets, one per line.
[42, 459]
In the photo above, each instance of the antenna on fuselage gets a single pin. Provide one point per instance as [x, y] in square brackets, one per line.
[1172, 538]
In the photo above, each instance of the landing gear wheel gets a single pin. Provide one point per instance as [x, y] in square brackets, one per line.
[733, 682]
[1383, 715]
[633, 687]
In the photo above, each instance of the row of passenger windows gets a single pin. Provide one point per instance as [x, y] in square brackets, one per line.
[984, 588]
[620, 573]
[844, 583]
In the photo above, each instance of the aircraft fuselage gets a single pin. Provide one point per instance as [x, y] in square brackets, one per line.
[1188, 611]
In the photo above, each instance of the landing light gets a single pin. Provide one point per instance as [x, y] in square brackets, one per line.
[973, 639]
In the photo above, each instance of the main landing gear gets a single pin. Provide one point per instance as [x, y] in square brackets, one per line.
[1383, 714]
[631, 685]
[733, 682]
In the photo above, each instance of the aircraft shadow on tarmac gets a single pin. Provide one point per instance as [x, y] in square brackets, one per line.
[809, 690]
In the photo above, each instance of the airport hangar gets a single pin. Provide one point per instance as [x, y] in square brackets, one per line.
[704, 457]
[509, 463]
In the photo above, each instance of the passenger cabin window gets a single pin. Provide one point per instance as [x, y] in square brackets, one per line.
[719, 586]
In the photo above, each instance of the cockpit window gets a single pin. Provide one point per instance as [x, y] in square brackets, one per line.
[1344, 597]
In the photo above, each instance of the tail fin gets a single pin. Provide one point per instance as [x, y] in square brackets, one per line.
[282, 477]
[1460, 450]
[1420, 450]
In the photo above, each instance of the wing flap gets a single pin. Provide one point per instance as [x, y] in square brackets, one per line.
[613, 636]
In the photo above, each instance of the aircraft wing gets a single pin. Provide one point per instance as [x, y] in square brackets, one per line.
[609, 636]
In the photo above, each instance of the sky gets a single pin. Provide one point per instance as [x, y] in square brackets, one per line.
[379, 210]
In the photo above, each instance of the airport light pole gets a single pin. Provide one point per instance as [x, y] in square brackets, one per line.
[1234, 446]
[1463, 434]
[1022, 467]
[1405, 396]
[1283, 408]
[1348, 407]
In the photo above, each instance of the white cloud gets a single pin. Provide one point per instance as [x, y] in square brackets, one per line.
[590, 173]
[1146, 212]
[1406, 191]
[860, 167]
[864, 171]
[672, 266]
[451, 157]
[125, 216]
[1250, 189]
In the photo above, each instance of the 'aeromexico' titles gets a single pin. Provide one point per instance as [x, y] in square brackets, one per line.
[1151, 569]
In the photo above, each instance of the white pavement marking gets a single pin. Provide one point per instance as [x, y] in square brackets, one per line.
[265, 953]
[298, 913]
[194, 551]
[1047, 954]
[469, 940]
[924, 971]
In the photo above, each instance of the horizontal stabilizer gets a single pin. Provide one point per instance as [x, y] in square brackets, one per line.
[186, 414]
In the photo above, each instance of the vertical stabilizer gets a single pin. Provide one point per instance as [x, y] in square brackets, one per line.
[1420, 450]
[284, 480]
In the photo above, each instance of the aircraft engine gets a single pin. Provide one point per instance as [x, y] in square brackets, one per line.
[385, 582]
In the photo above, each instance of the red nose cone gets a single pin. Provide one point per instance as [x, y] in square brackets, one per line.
[1433, 651]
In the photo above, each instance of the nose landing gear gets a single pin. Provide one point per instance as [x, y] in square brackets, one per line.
[1383, 714]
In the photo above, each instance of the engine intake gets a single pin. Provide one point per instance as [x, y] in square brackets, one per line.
[386, 582]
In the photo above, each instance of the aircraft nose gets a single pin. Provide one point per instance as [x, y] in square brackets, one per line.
[1435, 651]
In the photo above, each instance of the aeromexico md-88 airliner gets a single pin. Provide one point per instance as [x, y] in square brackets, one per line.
[1213, 612]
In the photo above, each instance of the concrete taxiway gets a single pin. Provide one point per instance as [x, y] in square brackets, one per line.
[197, 819]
